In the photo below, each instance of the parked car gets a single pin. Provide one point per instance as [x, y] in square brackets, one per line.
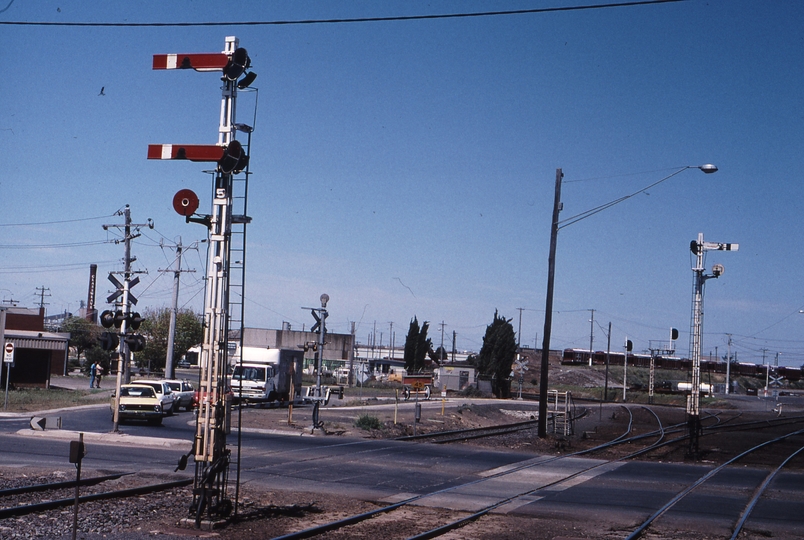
[183, 363]
[182, 393]
[163, 392]
[138, 402]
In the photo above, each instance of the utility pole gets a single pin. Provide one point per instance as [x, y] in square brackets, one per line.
[728, 365]
[608, 358]
[548, 310]
[170, 368]
[391, 340]
[41, 290]
[123, 298]
[441, 356]
[591, 336]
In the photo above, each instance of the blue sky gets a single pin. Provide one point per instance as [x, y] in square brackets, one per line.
[407, 167]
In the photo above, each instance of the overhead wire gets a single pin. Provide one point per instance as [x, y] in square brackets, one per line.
[343, 20]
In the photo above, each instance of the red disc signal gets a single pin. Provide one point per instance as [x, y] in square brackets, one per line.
[185, 202]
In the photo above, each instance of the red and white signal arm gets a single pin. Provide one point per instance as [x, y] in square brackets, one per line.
[191, 152]
[8, 356]
[196, 61]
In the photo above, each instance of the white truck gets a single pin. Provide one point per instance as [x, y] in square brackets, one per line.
[264, 375]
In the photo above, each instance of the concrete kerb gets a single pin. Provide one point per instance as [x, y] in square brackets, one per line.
[111, 438]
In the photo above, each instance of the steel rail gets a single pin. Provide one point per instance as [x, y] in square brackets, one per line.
[50, 505]
[515, 426]
[326, 527]
[59, 485]
[760, 490]
[686, 491]
[434, 533]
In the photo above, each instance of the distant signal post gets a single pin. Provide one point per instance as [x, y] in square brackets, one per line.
[698, 247]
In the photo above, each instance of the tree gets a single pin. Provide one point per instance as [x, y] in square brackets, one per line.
[417, 345]
[96, 355]
[439, 356]
[155, 328]
[83, 334]
[497, 355]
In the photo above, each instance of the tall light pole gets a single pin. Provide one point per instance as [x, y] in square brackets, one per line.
[698, 247]
[551, 261]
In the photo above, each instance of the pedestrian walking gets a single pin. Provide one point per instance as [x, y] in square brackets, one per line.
[98, 375]
[92, 375]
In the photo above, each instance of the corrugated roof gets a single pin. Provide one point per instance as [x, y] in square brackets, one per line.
[28, 339]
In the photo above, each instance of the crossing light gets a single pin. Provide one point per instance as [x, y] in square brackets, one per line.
[119, 317]
[135, 320]
[109, 341]
[629, 345]
[135, 342]
[107, 319]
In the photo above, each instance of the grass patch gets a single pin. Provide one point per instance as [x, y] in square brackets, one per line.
[368, 422]
[37, 399]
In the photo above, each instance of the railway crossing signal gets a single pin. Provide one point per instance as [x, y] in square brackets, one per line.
[109, 341]
[120, 287]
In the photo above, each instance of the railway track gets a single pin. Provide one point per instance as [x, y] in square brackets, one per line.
[411, 509]
[54, 488]
[749, 506]
[497, 479]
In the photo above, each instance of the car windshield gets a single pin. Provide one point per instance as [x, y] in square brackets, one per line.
[137, 391]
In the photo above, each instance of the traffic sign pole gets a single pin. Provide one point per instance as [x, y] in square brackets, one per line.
[8, 358]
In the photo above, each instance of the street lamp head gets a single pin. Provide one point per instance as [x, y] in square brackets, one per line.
[324, 300]
[708, 168]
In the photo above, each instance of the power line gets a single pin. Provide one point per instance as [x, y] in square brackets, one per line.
[53, 222]
[38, 246]
[347, 20]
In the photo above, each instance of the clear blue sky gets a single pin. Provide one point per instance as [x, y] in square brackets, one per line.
[407, 168]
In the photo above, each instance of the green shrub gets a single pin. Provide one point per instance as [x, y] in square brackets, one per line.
[368, 422]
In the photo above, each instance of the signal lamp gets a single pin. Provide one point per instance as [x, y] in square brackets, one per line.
[237, 65]
[135, 320]
[119, 317]
[246, 81]
[109, 341]
[107, 319]
[135, 342]
[234, 159]
[185, 202]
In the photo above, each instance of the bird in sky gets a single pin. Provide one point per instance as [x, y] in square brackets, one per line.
[101, 92]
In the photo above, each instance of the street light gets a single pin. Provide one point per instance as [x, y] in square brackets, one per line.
[548, 310]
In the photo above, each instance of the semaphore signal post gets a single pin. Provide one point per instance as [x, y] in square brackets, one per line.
[211, 454]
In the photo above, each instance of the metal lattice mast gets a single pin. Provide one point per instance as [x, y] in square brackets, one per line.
[212, 457]
[698, 247]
